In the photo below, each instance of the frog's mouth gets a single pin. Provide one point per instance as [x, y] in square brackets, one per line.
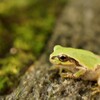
[64, 60]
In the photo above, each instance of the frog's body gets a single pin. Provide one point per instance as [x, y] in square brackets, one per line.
[80, 63]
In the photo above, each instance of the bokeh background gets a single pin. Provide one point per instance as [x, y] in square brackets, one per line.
[25, 27]
[31, 28]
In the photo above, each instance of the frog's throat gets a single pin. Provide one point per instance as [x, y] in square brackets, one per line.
[68, 63]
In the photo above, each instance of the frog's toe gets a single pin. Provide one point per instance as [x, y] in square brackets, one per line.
[95, 90]
[66, 75]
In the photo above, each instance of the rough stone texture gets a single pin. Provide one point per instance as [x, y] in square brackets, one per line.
[78, 26]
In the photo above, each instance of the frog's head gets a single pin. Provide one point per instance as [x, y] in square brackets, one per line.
[60, 57]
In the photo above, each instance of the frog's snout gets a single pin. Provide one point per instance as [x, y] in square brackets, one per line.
[53, 57]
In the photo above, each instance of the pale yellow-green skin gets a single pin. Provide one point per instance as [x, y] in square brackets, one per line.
[89, 62]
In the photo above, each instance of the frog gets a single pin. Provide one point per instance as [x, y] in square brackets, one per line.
[76, 63]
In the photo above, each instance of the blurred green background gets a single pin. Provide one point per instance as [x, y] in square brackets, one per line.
[25, 27]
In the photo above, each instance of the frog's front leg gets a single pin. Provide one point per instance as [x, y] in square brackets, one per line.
[80, 72]
[67, 72]
[76, 75]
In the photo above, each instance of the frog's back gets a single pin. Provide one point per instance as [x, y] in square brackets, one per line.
[84, 57]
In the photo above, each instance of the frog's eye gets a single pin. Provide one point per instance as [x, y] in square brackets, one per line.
[63, 58]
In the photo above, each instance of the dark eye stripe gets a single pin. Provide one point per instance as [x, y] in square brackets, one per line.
[74, 61]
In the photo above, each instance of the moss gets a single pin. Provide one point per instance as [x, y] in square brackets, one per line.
[25, 27]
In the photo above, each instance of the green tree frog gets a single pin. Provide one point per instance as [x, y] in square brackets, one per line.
[76, 63]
